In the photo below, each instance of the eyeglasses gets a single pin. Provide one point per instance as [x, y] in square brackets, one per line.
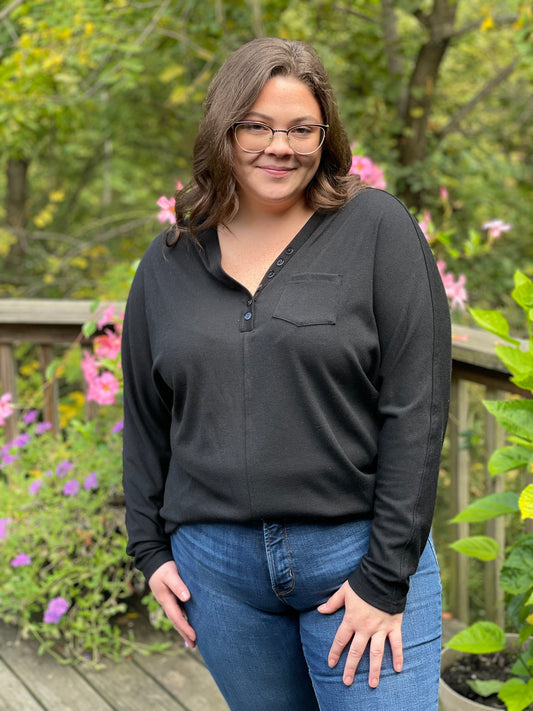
[254, 137]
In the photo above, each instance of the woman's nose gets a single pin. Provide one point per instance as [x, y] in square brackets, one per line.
[280, 143]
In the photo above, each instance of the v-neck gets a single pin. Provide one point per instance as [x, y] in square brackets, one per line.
[213, 255]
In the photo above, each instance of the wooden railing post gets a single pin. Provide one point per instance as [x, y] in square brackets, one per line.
[459, 476]
[50, 389]
[494, 438]
[8, 383]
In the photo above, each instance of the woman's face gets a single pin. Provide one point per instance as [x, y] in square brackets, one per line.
[276, 178]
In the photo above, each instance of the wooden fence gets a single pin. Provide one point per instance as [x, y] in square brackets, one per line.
[49, 324]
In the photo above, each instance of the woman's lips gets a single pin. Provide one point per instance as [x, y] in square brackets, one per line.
[274, 170]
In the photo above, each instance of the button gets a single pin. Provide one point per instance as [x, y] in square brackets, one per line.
[280, 262]
[270, 275]
[289, 250]
[248, 315]
[250, 302]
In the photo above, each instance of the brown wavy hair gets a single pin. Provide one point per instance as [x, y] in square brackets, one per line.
[210, 198]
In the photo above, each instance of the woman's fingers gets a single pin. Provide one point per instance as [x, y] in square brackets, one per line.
[169, 590]
[363, 625]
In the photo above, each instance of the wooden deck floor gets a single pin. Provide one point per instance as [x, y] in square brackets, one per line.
[174, 681]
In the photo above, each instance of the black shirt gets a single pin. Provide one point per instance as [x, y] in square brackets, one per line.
[321, 397]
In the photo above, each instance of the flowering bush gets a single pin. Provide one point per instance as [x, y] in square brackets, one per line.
[65, 575]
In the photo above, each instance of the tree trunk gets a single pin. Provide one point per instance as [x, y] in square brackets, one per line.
[413, 142]
[16, 199]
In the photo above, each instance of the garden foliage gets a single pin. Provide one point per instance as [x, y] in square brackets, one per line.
[65, 576]
[516, 577]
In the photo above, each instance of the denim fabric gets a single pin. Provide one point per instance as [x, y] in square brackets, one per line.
[254, 593]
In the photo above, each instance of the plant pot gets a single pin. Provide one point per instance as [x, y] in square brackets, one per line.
[450, 700]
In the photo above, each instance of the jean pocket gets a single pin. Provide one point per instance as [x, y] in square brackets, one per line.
[310, 300]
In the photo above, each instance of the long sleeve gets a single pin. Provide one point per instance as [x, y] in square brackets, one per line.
[412, 317]
[147, 419]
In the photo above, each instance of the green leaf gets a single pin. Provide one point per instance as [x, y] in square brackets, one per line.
[51, 368]
[485, 688]
[505, 459]
[517, 572]
[89, 328]
[489, 507]
[494, 322]
[523, 381]
[518, 362]
[480, 547]
[525, 502]
[516, 694]
[521, 442]
[479, 638]
[523, 291]
[516, 416]
[519, 668]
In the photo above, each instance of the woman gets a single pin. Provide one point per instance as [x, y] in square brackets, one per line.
[286, 357]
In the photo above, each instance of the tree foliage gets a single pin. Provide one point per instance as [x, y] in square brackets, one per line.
[101, 100]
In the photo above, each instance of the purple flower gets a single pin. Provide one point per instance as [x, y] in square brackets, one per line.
[118, 427]
[35, 486]
[91, 482]
[64, 467]
[55, 610]
[71, 488]
[20, 560]
[21, 441]
[30, 417]
[9, 459]
[43, 427]
[3, 527]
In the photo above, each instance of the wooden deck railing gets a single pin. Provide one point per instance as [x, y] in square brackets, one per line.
[49, 324]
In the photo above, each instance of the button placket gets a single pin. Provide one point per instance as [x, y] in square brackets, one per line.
[247, 318]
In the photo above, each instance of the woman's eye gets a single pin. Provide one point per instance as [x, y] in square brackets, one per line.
[256, 128]
[302, 131]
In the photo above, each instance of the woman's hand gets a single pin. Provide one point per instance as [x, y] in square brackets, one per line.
[169, 590]
[362, 624]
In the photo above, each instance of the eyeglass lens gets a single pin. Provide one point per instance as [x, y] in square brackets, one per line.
[255, 137]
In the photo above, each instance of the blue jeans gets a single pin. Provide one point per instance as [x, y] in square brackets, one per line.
[254, 593]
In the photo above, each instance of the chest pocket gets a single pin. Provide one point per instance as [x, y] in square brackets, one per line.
[310, 300]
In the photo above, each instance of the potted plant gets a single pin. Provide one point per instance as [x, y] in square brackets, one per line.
[515, 692]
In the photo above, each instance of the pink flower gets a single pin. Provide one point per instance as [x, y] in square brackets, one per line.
[496, 227]
[425, 225]
[91, 482]
[6, 408]
[179, 185]
[89, 367]
[21, 560]
[444, 194]
[166, 214]
[55, 610]
[106, 318]
[103, 388]
[118, 427]
[71, 488]
[454, 288]
[368, 171]
[108, 345]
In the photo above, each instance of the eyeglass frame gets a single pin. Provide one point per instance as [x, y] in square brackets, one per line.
[323, 126]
